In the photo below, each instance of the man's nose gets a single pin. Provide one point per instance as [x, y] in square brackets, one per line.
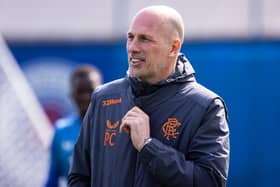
[133, 46]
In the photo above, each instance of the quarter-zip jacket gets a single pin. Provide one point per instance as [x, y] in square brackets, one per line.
[189, 130]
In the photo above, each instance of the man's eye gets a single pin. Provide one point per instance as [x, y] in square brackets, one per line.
[129, 37]
[145, 39]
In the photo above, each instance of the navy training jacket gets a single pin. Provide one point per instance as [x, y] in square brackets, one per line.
[189, 130]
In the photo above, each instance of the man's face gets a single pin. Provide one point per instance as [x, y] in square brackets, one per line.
[148, 48]
[82, 89]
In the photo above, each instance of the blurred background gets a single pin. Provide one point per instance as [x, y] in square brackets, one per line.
[233, 45]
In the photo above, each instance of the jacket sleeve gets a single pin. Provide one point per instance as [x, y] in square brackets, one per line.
[80, 171]
[206, 161]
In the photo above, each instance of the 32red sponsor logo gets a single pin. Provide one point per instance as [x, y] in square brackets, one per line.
[109, 102]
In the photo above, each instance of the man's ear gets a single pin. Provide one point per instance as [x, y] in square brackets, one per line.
[175, 48]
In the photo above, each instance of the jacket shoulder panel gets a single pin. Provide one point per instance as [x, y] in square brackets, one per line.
[113, 87]
[201, 95]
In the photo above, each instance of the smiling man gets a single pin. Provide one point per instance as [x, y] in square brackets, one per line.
[165, 129]
[153, 46]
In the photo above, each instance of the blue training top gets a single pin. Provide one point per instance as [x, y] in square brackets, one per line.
[65, 136]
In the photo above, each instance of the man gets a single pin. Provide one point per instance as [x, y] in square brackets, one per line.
[84, 79]
[158, 126]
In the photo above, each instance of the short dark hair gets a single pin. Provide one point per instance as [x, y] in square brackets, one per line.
[84, 70]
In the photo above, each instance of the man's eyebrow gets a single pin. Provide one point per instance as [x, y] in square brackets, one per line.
[130, 33]
[141, 36]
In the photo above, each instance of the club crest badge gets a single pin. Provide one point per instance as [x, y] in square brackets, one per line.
[169, 128]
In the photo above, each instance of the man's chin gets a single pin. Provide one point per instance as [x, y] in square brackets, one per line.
[134, 74]
[131, 73]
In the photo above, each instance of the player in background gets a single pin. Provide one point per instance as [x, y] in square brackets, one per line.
[83, 81]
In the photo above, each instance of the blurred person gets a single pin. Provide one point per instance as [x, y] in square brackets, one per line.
[83, 81]
[157, 126]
